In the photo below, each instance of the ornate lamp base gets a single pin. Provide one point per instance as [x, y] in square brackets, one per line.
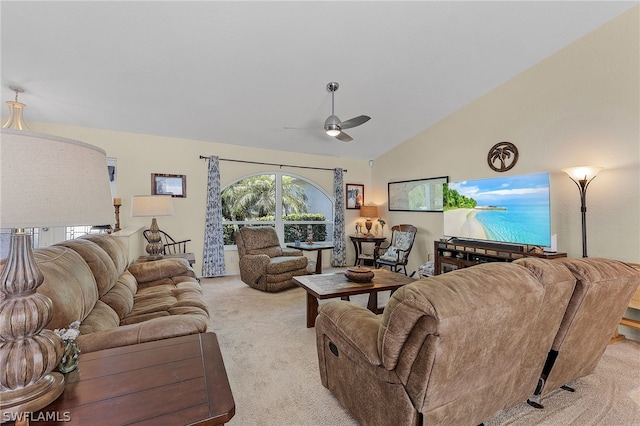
[33, 397]
[28, 353]
[154, 248]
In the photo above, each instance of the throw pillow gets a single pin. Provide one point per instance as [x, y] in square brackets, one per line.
[402, 240]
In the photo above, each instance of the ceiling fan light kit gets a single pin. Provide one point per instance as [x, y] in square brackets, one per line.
[333, 126]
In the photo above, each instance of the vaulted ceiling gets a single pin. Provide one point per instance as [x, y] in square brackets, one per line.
[239, 72]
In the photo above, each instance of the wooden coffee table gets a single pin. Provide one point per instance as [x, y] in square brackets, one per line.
[166, 382]
[328, 286]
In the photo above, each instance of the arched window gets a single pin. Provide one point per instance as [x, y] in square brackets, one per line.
[296, 207]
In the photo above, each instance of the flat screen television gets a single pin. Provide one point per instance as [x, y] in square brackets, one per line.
[509, 209]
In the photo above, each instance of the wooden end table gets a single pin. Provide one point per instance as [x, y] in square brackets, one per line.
[357, 241]
[317, 247]
[329, 286]
[175, 381]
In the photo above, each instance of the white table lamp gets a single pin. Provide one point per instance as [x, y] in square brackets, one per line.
[45, 181]
[152, 206]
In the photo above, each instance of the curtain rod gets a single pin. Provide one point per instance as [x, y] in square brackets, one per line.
[202, 157]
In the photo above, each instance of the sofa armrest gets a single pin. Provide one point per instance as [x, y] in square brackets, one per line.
[288, 251]
[160, 269]
[354, 325]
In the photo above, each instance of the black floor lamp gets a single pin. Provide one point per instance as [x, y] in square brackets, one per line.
[582, 176]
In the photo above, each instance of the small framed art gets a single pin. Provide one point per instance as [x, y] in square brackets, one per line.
[174, 185]
[355, 196]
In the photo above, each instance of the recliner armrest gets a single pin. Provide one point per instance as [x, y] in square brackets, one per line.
[353, 324]
[253, 267]
[287, 251]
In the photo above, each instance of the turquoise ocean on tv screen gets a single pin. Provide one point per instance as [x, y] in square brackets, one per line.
[521, 208]
[519, 224]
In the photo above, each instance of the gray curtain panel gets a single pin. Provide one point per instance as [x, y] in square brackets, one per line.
[339, 253]
[213, 256]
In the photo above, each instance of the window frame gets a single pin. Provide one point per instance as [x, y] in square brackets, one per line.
[279, 223]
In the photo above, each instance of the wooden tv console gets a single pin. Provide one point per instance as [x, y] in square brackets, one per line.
[453, 255]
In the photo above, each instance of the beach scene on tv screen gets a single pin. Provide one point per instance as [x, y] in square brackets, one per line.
[513, 209]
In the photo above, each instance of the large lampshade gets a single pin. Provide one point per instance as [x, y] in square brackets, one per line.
[52, 181]
[585, 173]
[369, 212]
[151, 205]
[45, 181]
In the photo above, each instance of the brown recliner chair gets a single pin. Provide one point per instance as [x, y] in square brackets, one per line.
[453, 349]
[603, 290]
[265, 265]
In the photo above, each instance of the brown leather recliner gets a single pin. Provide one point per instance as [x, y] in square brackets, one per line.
[265, 265]
[603, 290]
[453, 349]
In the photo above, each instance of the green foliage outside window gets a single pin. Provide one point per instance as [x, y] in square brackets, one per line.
[292, 232]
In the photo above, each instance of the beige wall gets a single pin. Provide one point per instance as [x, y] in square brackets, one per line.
[140, 155]
[577, 107]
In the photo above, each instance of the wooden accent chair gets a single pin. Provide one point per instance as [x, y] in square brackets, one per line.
[170, 245]
[396, 254]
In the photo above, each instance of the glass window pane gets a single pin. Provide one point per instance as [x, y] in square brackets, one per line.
[251, 198]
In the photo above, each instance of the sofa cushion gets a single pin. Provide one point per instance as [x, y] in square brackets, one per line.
[101, 264]
[102, 317]
[256, 238]
[284, 264]
[116, 248]
[68, 282]
[120, 297]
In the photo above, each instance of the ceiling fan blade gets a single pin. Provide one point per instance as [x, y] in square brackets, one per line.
[302, 128]
[342, 136]
[353, 122]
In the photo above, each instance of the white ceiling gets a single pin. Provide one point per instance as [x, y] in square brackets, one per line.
[239, 72]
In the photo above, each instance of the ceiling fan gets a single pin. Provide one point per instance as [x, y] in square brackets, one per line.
[333, 126]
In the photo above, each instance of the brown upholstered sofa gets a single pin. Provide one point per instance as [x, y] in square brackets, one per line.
[457, 348]
[90, 280]
[263, 263]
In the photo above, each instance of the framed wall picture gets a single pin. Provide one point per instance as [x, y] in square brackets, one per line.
[419, 195]
[355, 196]
[174, 185]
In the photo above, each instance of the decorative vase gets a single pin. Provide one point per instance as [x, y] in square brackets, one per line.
[297, 243]
[309, 234]
[70, 357]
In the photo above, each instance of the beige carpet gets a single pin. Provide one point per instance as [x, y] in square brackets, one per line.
[271, 361]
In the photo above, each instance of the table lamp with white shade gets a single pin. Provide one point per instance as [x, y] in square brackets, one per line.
[152, 206]
[45, 181]
[369, 212]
